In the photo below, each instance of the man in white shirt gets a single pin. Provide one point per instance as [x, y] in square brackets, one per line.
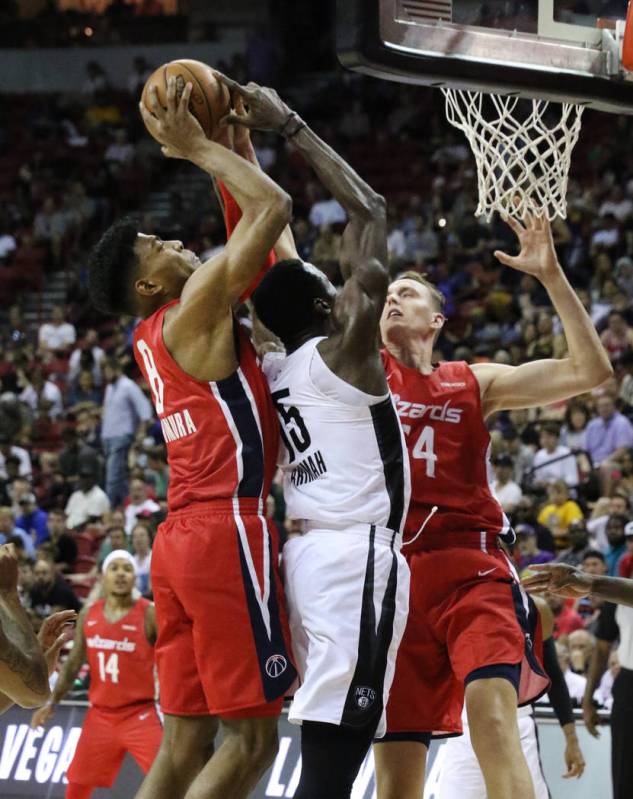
[58, 334]
[553, 461]
[6, 450]
[139, 504]
[89, 345]
[326, 211]
[507, 492]
[89, 501]
[576, 683]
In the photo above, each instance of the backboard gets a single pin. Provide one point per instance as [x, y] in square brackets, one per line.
[547, 49]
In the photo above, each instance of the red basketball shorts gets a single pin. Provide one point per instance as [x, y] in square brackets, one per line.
[105, 738]
[223, 643]
[467, 611]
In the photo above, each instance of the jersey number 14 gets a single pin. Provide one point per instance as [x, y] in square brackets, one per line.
[108, 667]
[424, 448]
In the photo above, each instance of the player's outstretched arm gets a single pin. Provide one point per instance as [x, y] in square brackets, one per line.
[545, 381]
[569, 581]
[23, 670]
[68, 673]
[352, 351]
[266, 209]
[558, 693]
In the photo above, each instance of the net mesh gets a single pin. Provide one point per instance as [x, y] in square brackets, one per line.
[522, 155]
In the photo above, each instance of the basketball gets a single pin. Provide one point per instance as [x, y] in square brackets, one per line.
[210, 100]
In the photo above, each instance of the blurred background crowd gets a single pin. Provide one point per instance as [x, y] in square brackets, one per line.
[82, 460]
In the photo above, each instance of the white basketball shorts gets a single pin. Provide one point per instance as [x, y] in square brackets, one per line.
[348, 599]
[461, 777]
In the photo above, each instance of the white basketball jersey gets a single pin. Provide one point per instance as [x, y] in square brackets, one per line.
[344, 458]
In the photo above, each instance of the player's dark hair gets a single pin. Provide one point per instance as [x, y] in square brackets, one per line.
[593, 553]
[284, 300]
[113, 267]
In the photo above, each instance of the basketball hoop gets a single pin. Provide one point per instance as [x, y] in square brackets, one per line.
[522, 156]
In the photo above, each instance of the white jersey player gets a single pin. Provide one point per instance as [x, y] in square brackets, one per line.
[346, 473]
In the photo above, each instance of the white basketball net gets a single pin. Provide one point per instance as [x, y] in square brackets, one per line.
[522, 164]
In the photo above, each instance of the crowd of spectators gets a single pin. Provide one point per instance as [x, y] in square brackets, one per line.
[82, 460]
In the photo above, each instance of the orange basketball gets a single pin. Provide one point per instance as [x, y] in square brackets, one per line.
[210, 99]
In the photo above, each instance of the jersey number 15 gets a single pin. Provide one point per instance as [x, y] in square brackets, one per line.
[293, 429]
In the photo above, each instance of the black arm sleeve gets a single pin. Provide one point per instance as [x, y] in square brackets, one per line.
[607, 627]
[558, 693]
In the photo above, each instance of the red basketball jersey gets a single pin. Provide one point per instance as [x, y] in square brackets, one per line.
[120, 658]
[222, 437]
[448, 450]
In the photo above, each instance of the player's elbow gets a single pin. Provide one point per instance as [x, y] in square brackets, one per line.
[281, 207]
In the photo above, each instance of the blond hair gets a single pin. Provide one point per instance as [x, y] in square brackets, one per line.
[436, 294]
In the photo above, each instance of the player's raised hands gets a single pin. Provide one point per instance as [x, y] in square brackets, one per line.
[174, 127]
[558, 578]
[537, 256]
[56, 630]
[262, 108]
[8, 569]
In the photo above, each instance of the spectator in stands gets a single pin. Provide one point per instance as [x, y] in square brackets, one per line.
[504, 488]
[89, 502]
[553, 461]
[8, 244]
[617, 505]
[87, 356]
[559, 512]
[526, 513]
[83, 390]
[7, 449]
[33, 519]
[116, 538]
[325, 210]
[40, 392]
[141, 70]
[50, 592]
[588, 607]
[125, 409]
[63, 545]
[96, 81]
[528, 548]
[576, 683]
[618, 336]
[9, 529]
[50, 227]
[625, 394]
[581, 644]
[578, 543]
[58, 335]
[608, 436]
[157, 472]
[140, 505]
[573, 432]
[617, 542]
[12, 469]
[75, 452]
[522, 455]
[142, 552]
[625, 566]
[120, 151]
[566, 620]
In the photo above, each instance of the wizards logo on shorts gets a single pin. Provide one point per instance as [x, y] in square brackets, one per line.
[365, 696]
[276, 665]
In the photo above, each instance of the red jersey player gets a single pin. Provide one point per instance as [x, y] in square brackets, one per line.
[222, 646]
[116, 637]
[466, 633]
